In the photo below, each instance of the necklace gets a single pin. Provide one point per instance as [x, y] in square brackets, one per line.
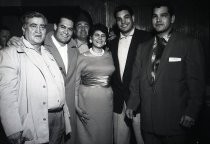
[95, 53]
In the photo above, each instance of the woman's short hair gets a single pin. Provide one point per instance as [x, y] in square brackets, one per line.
[99, 27]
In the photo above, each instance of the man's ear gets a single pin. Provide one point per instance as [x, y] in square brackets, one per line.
[91, 39]
[23, 29]
[173, 19]
[55, 27]
[133, 18]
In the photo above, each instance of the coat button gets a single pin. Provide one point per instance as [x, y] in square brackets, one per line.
[44, 103]
[44, 119]
[44, 86]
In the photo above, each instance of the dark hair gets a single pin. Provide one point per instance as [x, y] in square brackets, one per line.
[84, 16]
[67, 16]
[28, 15]
[123, 7]
[99, 27]
[165, 4]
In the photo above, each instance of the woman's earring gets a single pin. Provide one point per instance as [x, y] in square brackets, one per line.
[90, 41]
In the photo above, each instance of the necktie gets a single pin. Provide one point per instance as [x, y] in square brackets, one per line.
[156, 56]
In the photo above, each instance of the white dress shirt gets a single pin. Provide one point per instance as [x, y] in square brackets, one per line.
[123, 47]
[63, 50]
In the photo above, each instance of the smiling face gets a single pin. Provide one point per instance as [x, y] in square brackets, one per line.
[124, 21]
[99, 39]
[162, 21]
[64, 30]
[82, 30]
[35, 30]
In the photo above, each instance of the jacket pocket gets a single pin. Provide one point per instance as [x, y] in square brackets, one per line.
[28, 128]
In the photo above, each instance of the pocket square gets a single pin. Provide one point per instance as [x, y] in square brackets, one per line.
[174, 59]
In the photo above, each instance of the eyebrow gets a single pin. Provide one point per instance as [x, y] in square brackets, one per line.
[65, 26]
[78, 24]
[35, 24]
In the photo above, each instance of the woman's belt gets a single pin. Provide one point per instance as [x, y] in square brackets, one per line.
[102, 81]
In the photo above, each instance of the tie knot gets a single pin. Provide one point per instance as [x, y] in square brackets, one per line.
[161, 40]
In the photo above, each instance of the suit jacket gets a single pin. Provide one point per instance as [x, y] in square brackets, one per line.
[69, 77]
[177, 90]
[121, 88]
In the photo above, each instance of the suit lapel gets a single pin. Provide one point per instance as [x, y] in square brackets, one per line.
[131, 53]
[71, 56]
[115, 57]
[39, 61]
[54, 51]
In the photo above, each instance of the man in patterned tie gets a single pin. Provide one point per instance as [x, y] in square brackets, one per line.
[171, 103]
[158, 48]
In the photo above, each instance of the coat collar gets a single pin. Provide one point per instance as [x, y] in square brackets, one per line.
[54, 51]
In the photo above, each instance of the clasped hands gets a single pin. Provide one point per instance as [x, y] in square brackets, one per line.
[186, 121]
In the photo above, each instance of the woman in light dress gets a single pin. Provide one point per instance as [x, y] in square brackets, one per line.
[94, 96]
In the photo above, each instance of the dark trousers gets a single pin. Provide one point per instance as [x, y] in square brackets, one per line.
[203, 130]
[3, 137]
[56, 127]
[151, 138]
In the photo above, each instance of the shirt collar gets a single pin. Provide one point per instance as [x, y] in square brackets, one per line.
[79, 43]
[130, 34]
[166, 37]
[28, 44]
[56, 42]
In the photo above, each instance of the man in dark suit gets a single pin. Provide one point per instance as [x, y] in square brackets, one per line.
[168, 81]
[123, 50]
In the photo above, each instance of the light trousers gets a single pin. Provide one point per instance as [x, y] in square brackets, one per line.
[122, 132]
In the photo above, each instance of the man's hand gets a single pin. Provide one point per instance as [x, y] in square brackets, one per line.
[187, 121]
[83, 115]
[129, 113]
[16, 138]
[15, 41]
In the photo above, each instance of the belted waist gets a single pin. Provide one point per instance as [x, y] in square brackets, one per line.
[54, 110]
[102, 81]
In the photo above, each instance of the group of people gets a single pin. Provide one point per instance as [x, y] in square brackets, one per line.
[55, 89]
